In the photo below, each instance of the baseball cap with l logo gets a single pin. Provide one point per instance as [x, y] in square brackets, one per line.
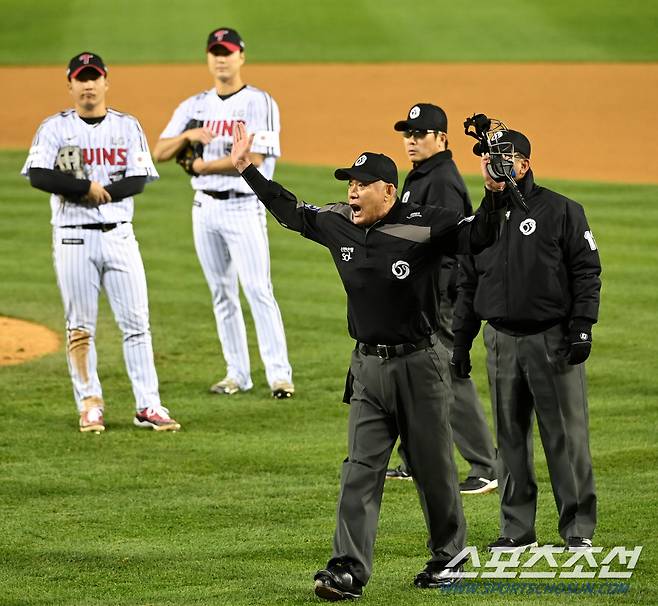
[369, 167]
[226, 37]
[84, 61]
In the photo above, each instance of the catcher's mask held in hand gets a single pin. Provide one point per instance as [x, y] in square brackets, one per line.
[495, 139]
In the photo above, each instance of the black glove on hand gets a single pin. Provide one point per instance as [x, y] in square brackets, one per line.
[580, 346]
[461, 361]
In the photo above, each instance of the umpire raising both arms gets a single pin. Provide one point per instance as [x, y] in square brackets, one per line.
[388, 256]
[230, 232]
[93, 160]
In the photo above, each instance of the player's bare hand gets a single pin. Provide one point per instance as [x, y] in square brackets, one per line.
[199, 135]
[199, 165]
[97, 194]
[489, 183]
[241, 145]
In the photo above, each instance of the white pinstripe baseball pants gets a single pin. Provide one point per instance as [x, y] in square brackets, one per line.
[230, 237]
[87, 260]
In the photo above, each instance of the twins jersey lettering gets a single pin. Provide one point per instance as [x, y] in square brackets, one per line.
[90, 260]
[250, 105]
[230, 235]
[113, 149]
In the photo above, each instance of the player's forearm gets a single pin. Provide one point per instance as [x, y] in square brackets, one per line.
[166, 149]
[57, 182]
[126, 188]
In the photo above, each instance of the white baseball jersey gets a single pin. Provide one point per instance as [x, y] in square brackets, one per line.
[250, 105]
[230, 235]
[113, 149]
[88, 260]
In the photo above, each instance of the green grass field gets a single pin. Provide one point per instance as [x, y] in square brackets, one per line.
[238, 507]
[152, 31]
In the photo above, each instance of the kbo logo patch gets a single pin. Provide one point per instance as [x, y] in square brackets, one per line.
[400, 269]
[528, 227]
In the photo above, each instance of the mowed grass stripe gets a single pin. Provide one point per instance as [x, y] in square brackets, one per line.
[238, 508]
[37, 32]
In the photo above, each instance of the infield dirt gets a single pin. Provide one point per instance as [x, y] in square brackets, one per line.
[586, 121]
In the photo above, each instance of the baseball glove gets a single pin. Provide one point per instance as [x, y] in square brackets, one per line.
[69, 161]
[186, 156]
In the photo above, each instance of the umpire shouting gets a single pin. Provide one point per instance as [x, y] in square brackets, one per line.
[538, 289]
[387, 256]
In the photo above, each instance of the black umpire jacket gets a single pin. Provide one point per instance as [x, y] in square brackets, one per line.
[437, 182]
[542, 270]
[389, 270]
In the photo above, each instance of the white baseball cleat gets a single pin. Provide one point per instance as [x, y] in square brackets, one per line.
[226, 387]
[282, 390]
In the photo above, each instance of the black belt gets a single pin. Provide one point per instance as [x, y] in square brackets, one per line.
[100, 226]
[386, 352]
[224, 195]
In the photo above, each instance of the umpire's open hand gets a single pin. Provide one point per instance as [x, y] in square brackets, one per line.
[241, 146]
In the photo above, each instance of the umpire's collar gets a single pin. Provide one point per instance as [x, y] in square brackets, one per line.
[433, 161]
[393, 215]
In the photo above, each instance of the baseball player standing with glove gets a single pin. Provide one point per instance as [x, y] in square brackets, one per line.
[93, 160]
[230, 233]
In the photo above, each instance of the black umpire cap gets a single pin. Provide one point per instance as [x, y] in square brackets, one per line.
[84, 61]
[226, 37]
[518, 140]
[369, 167]
[424, 116]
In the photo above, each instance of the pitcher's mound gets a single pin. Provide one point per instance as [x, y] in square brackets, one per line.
[21, 341]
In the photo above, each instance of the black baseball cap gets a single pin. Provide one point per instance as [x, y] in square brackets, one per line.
[518, 140]
[369, 167]
[226, 37]
[424, 116]
[84, 61]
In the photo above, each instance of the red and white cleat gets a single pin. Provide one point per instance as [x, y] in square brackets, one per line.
[157, 418]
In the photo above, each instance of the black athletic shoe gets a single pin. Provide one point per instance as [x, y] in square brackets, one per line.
[474, 485]
[511, 545]
[336, 582]
[398, 474]
[578, 544]
[437, 576]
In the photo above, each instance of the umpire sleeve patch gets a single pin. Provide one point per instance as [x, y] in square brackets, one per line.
[73, 241]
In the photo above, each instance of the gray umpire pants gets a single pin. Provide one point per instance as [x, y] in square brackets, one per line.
[526, 374]
[470, 431]
[409, 397]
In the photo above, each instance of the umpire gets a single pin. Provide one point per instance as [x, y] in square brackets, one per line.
[435, 181]
[386, 254]
[538, 289]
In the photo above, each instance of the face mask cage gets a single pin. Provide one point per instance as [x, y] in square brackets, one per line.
[501, 167]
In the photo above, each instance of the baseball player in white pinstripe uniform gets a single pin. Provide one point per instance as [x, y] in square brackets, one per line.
[93, 160]
[230, 234]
